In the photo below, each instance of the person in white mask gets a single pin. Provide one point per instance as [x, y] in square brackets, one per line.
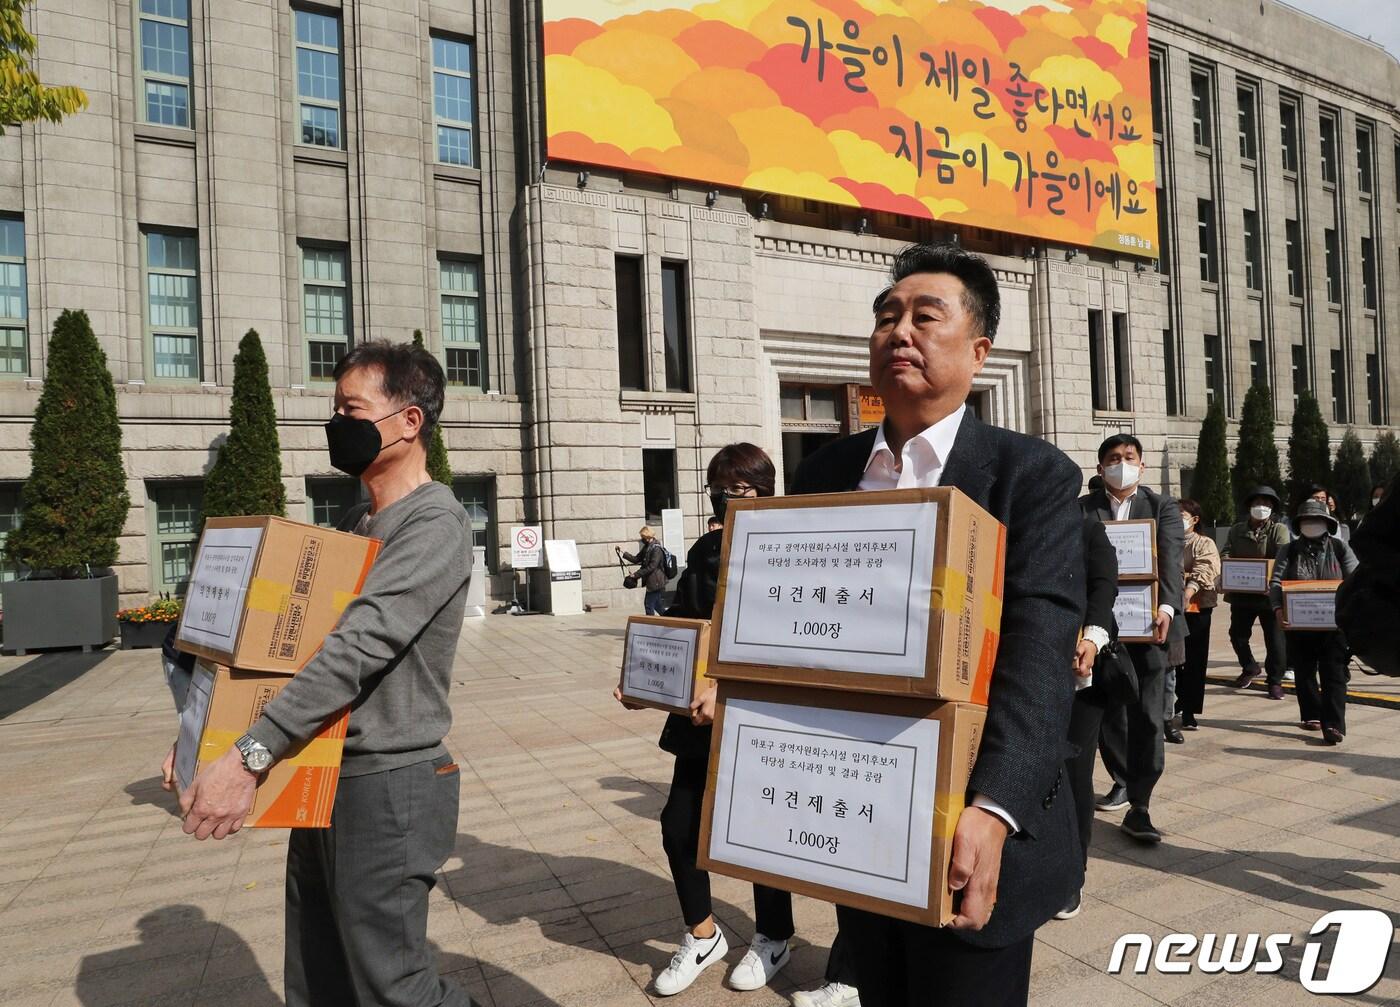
[1261, 534]
[1319, 657]
[1131, 737]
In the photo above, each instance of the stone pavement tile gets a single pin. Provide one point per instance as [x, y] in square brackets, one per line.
[1073, 983]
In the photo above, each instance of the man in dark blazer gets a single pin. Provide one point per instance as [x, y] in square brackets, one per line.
[1015, 859]
[1130, 739]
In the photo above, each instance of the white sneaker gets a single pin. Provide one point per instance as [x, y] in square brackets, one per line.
[760, 964]
[1288, 675]
[691, 958]
[830, 995]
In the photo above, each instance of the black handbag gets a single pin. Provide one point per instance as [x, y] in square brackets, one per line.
[1115, 678]
[629, 580]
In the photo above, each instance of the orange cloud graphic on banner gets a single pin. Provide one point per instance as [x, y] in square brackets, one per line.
[993, 113]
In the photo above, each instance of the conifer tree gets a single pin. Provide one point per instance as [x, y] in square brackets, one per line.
[75, 499]
[247, 474]
[1210, 485]
[1351, 478]
[1385, 458]
[1309, 452]
[438, 466]
[1256, 455]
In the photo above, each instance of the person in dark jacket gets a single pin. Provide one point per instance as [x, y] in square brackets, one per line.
[1368, 604]
[1262, 533]
[1099, 629]
[738, 470]
[1319, 657]
[650, 561]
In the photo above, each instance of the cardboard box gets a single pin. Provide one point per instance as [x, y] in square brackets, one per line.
[1310, 605]
[895, 592]
[844, 797]
[1135, 610]
[265, 591]
[299, 790]
[1245, 576]
[663, 662]
[1135, 542]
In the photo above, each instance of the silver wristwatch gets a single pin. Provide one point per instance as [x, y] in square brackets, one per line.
[256, 757]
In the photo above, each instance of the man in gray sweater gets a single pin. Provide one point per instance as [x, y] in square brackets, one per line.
[357, 892]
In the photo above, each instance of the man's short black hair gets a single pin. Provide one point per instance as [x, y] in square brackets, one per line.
[409, 375]
[981, 295]
[1119, 441]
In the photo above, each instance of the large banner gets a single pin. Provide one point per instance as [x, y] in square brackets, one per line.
[1030, 116]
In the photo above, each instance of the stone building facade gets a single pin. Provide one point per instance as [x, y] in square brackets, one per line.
[360, 169]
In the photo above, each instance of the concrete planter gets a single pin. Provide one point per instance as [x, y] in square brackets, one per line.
[40, 614]
[143, 635]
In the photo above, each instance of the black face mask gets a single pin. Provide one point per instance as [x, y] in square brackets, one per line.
[720, 503]
[355, 443]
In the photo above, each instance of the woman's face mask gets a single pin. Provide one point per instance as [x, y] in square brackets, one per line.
[1260, 512]
[1188, 522]
[1313, 529]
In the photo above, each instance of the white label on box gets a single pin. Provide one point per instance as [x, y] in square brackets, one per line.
[835, 588]
[192, 719]
[1133, 543]
[1247, 575]
[218, 585]
[1133, 610]
[1311, 609]
[660, 663]
[830, 797]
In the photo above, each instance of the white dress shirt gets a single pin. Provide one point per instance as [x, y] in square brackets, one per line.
[1122, 511]
[920, 464]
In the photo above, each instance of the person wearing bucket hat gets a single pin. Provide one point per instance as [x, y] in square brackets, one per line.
[1261, 535]
[1319, 657]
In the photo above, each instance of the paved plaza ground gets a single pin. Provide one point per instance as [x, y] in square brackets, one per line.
[558, 893]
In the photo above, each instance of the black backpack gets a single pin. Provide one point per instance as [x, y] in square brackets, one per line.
[669, 566]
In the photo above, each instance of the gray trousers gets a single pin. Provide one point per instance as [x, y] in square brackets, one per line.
[1130, 739]
[357, 892]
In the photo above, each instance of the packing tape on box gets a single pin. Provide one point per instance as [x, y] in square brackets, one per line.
[316, 752]
[991, 611]
[947, 809]
[341, 599]
[949, 590]
[267, 595]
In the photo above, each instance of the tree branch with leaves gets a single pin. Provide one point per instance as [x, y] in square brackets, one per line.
[23, 97]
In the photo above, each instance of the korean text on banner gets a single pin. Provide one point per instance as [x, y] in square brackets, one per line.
[833, 797]
[218, 585]
[841, 588]
[1033, 118]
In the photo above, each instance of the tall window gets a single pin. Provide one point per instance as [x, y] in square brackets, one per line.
[459, 285]
[175, 510]
[325, 309]
[658, 483]
[1327, 146]
[318, 77]
[1300, 373]
[1200, 108]
[1249, 146]
[1258, 371]
[1253, 266]
[14, 298]
[1098, 361]
[1333, 253]
[1373, 388]
[1339, 387]
[1288, 134]
[330, 499]
[1397, 172]
[452, 101]
[11, 513]
[1293, 247]
[676, 323]
[631, 326]
[1169, 367]
[1205, 229]
[165, 61]
[172, 303]
[1215, 369]
[1164, 252]
[1368, 273]
[1159, 122]
[1364, 162]
[478, 496]
[1122, 375]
